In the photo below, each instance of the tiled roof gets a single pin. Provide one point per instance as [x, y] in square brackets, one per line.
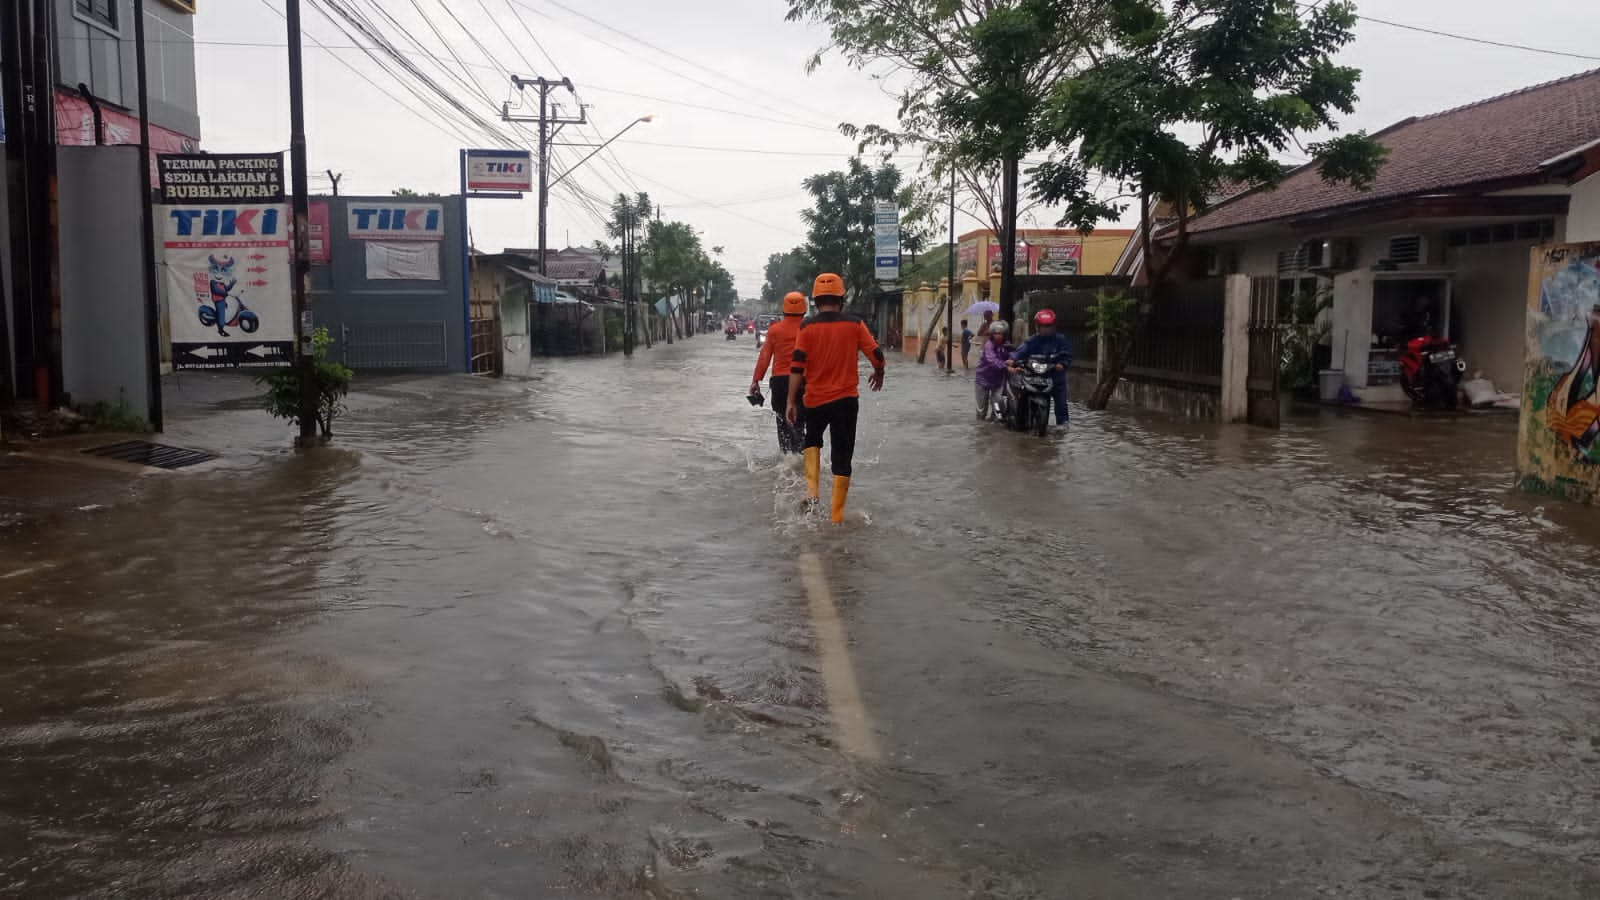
[1503, 137]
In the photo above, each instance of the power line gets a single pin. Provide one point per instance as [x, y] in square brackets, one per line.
[1506, 45]
[683, 59]
[760, 151]
[689, 78]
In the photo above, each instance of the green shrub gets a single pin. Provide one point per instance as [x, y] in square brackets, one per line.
[282, 397]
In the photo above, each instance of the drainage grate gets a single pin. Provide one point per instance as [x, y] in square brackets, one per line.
[144, 453]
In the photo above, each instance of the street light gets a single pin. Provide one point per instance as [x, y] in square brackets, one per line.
[599, 148]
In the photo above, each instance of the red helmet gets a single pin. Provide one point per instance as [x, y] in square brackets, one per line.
[1044, 317]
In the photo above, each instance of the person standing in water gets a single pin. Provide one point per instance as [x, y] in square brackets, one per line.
[824, 369]
[778, 350]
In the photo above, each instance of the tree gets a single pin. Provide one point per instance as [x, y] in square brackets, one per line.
[972, 75]
[840, 221]
[1189, 94]
[627, 217]
[409, 194]
[791, 270]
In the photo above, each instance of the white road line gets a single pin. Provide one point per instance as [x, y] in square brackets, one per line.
[856, 735]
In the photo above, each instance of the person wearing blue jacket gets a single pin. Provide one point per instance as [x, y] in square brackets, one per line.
[1046, 341]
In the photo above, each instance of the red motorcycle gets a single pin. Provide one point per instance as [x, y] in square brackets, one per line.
[1430, 372]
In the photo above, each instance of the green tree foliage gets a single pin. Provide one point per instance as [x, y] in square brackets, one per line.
[970, 76]
[791, 270]
[839, 224]
[410, 194]
[282, 386]
[1193, 93]
[1188, 94]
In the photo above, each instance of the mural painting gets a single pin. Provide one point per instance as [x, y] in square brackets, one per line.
[1558, 448]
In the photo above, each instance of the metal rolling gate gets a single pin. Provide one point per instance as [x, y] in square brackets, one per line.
[1265, 339]
[395, 345]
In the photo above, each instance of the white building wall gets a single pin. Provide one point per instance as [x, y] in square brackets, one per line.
[1583, 213]
[1489, 308]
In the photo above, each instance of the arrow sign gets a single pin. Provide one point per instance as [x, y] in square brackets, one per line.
[264, 350]
[258, 256]
[208, 352]
[256, 283]
[257, 269]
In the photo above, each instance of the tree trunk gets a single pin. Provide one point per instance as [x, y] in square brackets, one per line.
[1008, 275]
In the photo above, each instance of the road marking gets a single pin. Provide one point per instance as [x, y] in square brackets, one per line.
[856, 736]
[28, 571]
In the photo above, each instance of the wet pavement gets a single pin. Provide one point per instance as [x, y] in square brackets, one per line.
[572, 637]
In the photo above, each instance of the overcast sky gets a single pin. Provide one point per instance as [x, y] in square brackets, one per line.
[724, 79]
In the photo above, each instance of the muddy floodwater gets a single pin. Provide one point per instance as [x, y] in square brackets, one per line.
[574, 637]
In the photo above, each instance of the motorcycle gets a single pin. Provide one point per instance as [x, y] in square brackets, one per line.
[733, 335]
[242, 318]
[1430, 372]
[1029, 395]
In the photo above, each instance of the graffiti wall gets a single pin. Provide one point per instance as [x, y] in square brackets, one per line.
[1558, 448]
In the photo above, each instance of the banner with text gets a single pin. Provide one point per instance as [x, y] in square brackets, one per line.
[207, 178]
[396, 222]
[402, 261]
[499, 170]
[886, 241]
[228, 285]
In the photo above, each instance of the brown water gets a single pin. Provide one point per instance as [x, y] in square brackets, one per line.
[552, 639]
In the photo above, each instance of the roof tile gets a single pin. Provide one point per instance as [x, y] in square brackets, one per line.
[1502, 137]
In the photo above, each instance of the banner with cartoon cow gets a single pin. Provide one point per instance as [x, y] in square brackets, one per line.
[228, 285]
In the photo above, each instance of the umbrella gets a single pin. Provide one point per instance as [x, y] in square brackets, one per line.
[981, 307]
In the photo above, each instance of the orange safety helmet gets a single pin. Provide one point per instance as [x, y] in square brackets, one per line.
[794, 304]
[828, 285]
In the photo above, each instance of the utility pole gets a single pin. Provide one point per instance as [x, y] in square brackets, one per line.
[152, 294]
[630, 325]
[305, 359]
[950, 313]
[550, 124]
[11, 82]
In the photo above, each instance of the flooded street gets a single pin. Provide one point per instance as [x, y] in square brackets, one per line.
[573, 637]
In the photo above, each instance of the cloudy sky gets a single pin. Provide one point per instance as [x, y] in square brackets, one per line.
[738, 122]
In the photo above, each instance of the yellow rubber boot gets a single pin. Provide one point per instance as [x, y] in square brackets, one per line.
[841, 491]
[813, 472]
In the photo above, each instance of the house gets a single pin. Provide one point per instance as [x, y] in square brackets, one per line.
[572, 267]
[1439, 241]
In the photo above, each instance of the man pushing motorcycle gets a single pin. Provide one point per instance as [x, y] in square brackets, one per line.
[1049, 343]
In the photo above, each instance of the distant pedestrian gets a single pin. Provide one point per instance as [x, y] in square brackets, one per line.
[966, 345]
[826, 374]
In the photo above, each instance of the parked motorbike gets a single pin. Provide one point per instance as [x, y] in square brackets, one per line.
[1430, 372]
[242, 318]
[1029, 395]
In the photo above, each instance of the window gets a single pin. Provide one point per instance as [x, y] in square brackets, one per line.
[1531, 230]
[102, 11]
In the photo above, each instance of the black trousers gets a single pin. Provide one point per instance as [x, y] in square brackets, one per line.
[838, 417]
[790, 437]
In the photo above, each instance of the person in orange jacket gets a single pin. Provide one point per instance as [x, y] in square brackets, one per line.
[824, 369]
[778, 351]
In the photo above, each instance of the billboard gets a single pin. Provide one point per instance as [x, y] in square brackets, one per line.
[886, 241]
[318, 221]
[1056, 256]
[228, 285]
[499, 170]
[205, 178]
[396, 222]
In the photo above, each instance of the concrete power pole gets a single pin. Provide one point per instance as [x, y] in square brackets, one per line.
[550, 123]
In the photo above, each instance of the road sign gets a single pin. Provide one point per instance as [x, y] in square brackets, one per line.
[886, 241]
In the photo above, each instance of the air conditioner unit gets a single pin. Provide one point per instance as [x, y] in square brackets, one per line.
[1292, 261]
[1408, 250]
